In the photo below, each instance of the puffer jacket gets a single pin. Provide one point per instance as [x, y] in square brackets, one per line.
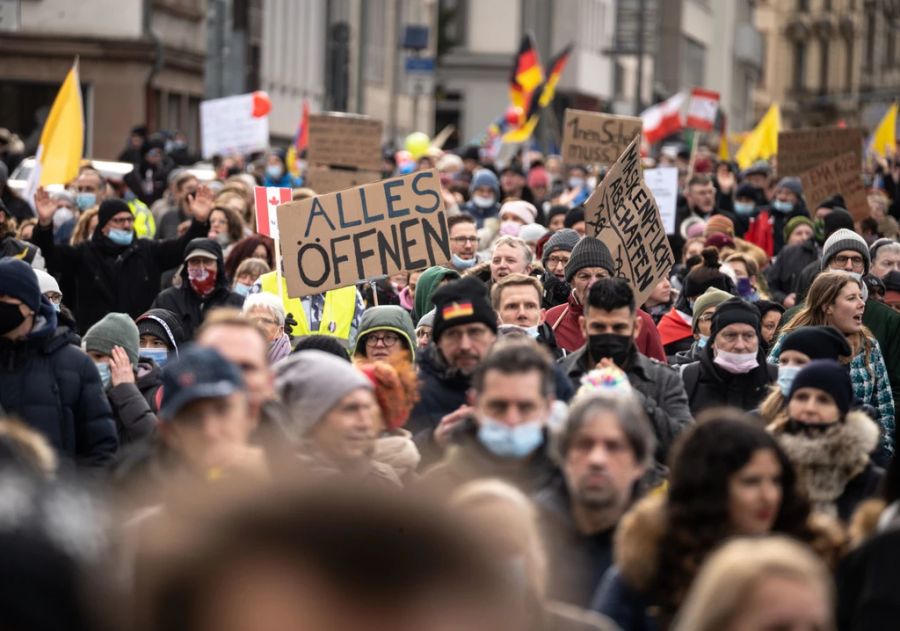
[386, 318]
[55, 388]
[135, 405]
[186, 303]
[22, 250]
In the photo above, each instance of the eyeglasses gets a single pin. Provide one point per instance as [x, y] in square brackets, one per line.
[557, 260]
[54, 297]
[387, 339]
[122, 221]
[841, 259]
[747, 337]
[706, 317]
[462, 240]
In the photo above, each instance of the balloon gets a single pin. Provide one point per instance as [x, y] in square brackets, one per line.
[417, 144]
[514, 116]
[262, 104]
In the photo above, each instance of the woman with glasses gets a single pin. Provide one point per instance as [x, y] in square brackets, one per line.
[384, 332]
[267, 312]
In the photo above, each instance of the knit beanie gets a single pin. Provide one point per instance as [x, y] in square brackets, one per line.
[701, 278]
[833, 202]
[734, 311]
[564, 239]
[829, 376]
[844, 239]
[115, 329]
[892, 281]
[792, 184]
[311, 383]
[521, 209]
[109, 208]
[589, 252]
[18, 280]
[163, 325]
[556, 210]
[485, 177]
[718, 240]
[835, 220]
[794, 222]
[712, 297]
[532, 232]
[719, 223]
[817, 342]
[462, 302]
[574, 216]
[426, 320]
[46, 282]
[324, 343]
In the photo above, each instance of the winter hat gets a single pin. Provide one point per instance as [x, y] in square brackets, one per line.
[794, 222]
[835, 220]
[574, 216]
[734, 311]
[163, 325]
[426, 320]
[203, 248]
[718, 240]
[589, 252]
[712, 297]
[707, 275]
[719, 223]
[792, 184]
[564, 239]
[485, 177]
[556, 210]
[46, 282]
[115, 329]
[538, 177]
[833, 202]
[829, 376]
[873, 249]
[462, 302]
[892, 281]
[311, 383]
[18, 280]
[109, 208]
[198, 373]
[323, 343]
[521, 209]
[532, 232]
[748, 191]
[760, 167]
[817, 342]
[844, 239]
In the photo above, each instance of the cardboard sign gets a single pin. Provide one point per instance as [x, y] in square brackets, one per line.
[802, 149]
[228, 126]
[621, 212]
[345, 140]
[363, 233]
[592, 138]
[839, 175]
[324, 180]
[663, 183]
[267, 199]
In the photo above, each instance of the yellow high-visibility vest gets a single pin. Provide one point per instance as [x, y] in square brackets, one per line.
[337, 314]
[144, 224]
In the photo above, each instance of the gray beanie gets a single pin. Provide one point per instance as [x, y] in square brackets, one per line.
[311, 383]
[564, 239]
[792, 184]
[426, 320]
[115, 329]
[590, 252]
[844, 239]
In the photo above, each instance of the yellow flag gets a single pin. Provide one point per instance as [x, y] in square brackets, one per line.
[885, 135]
[723, 146]
[762, 142]
[62, 141]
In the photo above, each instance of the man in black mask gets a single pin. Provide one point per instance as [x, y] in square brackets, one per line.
[610, 324]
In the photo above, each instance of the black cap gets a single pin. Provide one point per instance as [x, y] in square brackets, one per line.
[829, 376]
[109, 208]
[208, 248]
[835, 220]
[574, 216]
[462, 302]
[817, 342]
[734, 311]
[198, 373]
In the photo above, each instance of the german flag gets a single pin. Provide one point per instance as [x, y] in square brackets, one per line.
[457, 310]
[540, 98]
[526, 73]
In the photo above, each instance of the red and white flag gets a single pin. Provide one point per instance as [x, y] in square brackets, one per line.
[663, 119]
[702, 109]
[267, 200]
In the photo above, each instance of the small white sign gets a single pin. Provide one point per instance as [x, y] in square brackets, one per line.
[227, 125]
[10, 20]
[663, 183]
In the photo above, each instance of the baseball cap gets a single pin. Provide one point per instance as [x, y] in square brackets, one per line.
[198, 373]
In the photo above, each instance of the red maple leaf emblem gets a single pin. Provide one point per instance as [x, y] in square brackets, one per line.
[273, 201]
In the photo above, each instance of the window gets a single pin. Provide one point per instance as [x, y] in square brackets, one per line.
[799, 65]
[693, 68]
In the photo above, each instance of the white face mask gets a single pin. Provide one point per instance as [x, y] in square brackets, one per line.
[736, 363]
[483, 202]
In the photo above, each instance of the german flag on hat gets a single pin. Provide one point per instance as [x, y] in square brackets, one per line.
[462, 302]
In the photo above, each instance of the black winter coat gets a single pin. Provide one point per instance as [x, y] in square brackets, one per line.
[868, 599]
[782, 275]
[113, 278]
[55, 388]
[133, 404]
[708, 386]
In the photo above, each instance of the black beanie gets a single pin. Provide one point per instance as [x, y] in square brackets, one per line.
[109, 208]
[324, 343]
[829, 376]
[589, 252]
[462, 302]
[699, 279]
[835, 220]
[817, 342]
[574, 216]
[162, 324]
[734, 311]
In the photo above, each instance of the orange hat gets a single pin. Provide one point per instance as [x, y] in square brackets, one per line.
[396, 388]
[719, 223]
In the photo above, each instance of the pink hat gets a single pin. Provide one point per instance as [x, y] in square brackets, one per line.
[521, 209]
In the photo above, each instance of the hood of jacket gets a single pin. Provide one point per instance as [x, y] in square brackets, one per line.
[427, 285]
[386, 318]
[206, 245]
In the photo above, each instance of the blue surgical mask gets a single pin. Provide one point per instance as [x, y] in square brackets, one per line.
[786, 376]
[121, 237]
[274, 171]
[85, 200]
[105, 374]
[532, 331]
[783, 207]
[701, 343]
[159, 355]
[460, 263]
[241, 289]
[510, 442]
[745, 209]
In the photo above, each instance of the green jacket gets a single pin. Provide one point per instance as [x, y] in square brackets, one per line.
[428, 284]
[386, 318]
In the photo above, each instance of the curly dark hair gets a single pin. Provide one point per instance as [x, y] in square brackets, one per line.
[245, 248]
[702, 464]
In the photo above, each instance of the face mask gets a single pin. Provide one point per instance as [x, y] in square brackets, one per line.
[121, 237]
[274, 171]
[786, 376]
[744, 287]
[105, 374]
[203, 281]
[242, 289]
[744, 208]
[10, 317]
[61, 216]
[616, 347]
[460, 263]
[532, 331]
[159, 355]
[510, 442]
[782, 207]
[576, 182]
[736, 363]
[85, 200]
[483, 202]
[808, 429]
[55, 307]
[223, 239]
[701, 343]
[510, 228]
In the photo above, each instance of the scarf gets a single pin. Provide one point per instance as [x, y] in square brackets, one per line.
[279, 349]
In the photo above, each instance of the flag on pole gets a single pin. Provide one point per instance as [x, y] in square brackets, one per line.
[702, 109]
[267, 200]
[885, 135]
[301, 140]
[662, 119]
[762, 142]
[526, 73]
[540, 98]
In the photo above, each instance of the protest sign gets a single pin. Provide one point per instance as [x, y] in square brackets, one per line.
[324, 180]
[801, 149]
[362, 233]
[593, 138]
[663, 183]
[838, 175]
[621, 212]
[228, 125]
[267, 199]
[344, 140]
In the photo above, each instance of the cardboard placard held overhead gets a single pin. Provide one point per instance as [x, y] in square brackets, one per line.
[362, 233]
[801, 149]
[594, 138]
[842, 175]
[345, 140]
[324, 180]
[622, 213]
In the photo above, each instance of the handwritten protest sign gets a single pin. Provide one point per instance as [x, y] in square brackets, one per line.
[593, 138]
[801, 149]
[345, 140]
[228, 126]
[324, 180]
[663, 183]
[838, 175]
[362, 233]
[621, 212]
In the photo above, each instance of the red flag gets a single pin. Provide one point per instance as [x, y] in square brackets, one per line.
[267, 200]
[702, 109]
[662, 119]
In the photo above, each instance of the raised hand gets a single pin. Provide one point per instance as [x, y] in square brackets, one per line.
[201, 203]
[45, 206]
[120, 368]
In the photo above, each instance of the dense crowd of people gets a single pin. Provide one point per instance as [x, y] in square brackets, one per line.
[507, 441]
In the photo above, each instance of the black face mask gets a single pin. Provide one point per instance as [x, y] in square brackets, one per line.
[10, 317]
[616, 347]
